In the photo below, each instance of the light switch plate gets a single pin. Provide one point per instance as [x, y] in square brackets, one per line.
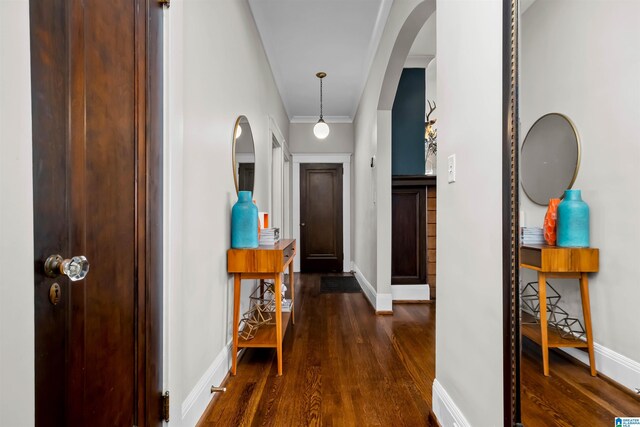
[451, 168]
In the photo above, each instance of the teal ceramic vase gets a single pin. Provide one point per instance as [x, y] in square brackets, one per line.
[244, 222]
[573, 221]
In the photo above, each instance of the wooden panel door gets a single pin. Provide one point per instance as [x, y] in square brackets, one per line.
[97, 167]
[409, 235]
[246, 174]
[321, 217]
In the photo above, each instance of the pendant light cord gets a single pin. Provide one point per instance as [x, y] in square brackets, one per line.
[321, 99]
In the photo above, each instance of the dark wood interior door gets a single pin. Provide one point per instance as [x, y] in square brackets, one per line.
[409, 235]
[97, 168]
[246, 173]
[321, 217]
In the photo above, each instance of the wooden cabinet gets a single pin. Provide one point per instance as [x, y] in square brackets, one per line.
[565, 263]
[409, 229]
[263, 263]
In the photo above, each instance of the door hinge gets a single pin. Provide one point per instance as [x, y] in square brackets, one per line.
[165, 406]
[165, 3]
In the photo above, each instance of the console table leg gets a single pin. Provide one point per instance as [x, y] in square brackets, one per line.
[544, 337]
[292, 285]
[278, 294]
[586, 313]
[236, 320]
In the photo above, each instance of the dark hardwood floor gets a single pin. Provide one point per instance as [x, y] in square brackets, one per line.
[570, 396]
[343, 366]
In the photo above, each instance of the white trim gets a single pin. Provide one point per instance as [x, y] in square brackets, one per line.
[327, 119]
[345, 159]
[418, 61]
[379, 302]
[275, 130]
[446, 411]
[614, 365]
[410, 292]
[198, 399]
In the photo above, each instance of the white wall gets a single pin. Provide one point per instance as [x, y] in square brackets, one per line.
[217, 70]
[17, 375]
[302, 140]
[371, 183]
[582, 59]
[469, 262]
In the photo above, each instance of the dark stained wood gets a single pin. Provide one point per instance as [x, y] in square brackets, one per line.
[321, 225]
[246, 174]
[570, 396]
[97, 144]
[408, 235]
[431, 237]
[340, 358]
[152, 77]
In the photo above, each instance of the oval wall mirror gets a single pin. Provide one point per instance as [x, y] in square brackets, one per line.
[244, 157]
[550, 158]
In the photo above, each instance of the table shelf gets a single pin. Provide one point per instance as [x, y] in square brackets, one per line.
[531, 330]
[266, 335]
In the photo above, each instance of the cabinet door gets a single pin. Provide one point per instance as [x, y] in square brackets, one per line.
[409, 236]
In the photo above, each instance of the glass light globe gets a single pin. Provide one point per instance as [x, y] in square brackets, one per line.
[321, 129]
[238, 131]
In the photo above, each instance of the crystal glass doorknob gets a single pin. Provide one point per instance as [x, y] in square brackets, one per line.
[75, 268]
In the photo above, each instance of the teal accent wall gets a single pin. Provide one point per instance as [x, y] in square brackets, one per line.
[407, 124]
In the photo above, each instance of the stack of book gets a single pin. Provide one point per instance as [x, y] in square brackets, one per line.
[531, 236]
[269, 236]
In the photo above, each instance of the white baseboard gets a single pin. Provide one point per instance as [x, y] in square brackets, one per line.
[445, 410]
[410, 292]
[198, 399]
[619, 368]
[379, 302]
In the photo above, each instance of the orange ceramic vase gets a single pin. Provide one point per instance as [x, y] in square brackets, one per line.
[550, 222]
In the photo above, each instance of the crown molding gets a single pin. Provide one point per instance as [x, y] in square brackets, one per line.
[327, 119]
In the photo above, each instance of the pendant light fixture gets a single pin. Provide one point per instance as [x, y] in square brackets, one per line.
[321, 129]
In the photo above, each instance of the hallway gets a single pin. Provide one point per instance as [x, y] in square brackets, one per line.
[348, 367]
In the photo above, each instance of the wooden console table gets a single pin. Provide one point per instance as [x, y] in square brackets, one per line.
[263, 262]
[564, 263]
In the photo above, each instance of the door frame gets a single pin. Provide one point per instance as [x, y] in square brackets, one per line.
[345, 159]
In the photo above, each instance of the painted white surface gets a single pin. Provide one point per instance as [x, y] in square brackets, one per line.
[381, 302]
[410, 292]
[217, 71]
[425, 42]
[445, 409]
[17, 376]
[302, 140]
[335, 36]
[372, 129]
[345, 159]
[469, 231]
[591, 75]
[199, 397]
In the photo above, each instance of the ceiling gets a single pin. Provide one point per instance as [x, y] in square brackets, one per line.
[302, 37]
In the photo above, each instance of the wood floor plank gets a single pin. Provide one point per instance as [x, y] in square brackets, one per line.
[345, 366]
[570, 396]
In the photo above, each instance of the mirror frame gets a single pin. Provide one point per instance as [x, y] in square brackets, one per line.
[233, 152]
[510, 212]
[579, 157]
